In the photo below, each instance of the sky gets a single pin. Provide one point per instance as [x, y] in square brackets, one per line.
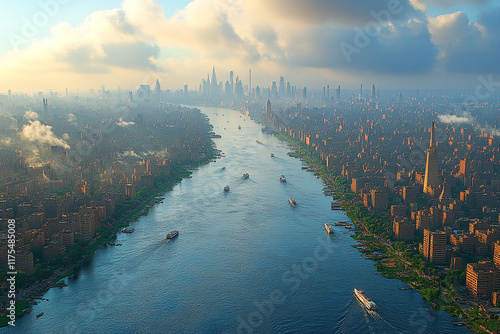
[75, 44]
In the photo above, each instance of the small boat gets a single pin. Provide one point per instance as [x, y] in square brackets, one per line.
[292, 201]
[40, 314]
[223, 168]
[328, 229]
[226, 188]
[239, 127]
[283, 178]
[128, 230]
[272, 155]
[245, 176]
[172, 235]
[363, 298]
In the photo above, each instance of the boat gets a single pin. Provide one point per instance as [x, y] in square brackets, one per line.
[328, 229]
[365, 300]
[272, 155]
[172, 235]
[283, 178]
[128, 230]
[239, 127]
[40, 314]
[292, 201]
[245, 176]
[223, 168]
[342, 223]
[226, 188]
[258, 142]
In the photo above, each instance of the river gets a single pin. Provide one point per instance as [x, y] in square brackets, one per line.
[245, 261]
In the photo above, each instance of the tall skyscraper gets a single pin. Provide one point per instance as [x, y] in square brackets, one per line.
[231, 82]
[214, 88]
[361, 92]
[250, 82]
[157, 87]
[372, 96]
[431, 181]
[282, 87]
[45, 108]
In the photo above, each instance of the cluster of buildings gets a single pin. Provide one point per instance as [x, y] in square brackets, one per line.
[54, 207]
[439, 184]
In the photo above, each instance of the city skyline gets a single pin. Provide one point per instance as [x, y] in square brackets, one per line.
[57, 44]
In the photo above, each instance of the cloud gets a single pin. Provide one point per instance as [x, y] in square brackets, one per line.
[137, 43]
[124, 124]
[468, 46]
[454, 119]
[41, 134]
[31, 115]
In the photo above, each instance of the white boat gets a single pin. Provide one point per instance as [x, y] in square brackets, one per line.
[328, 229]
[292, 201]
[365, 300]
[245, 176]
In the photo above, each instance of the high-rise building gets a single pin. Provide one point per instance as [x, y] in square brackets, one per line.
[337, 93]
[372, 96]
[431, 181]
[157, 87]
[403, 228]
[361, 92]
[380, 199]
[434, 246]
[288, 89]
[496, 253]
[214, 88]
[274, 89]
[482, 279]
[281, 90]
[304, 93]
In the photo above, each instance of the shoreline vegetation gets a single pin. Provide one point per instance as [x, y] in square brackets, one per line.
[83, 251]
[394, 260]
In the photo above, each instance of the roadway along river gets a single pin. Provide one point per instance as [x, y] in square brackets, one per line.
[245, 261]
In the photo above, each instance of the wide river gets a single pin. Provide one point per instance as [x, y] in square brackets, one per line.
[245, 261]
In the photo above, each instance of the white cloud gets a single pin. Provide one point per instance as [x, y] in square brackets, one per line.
[41, 134]
[124, 124]
[31, 115]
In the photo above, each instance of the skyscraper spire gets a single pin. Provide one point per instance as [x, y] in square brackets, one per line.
[433, 137]
[431, 181]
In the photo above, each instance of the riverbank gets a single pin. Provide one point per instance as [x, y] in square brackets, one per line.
[408, 267]
[130, 211]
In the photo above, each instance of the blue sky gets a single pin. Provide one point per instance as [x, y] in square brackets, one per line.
[85, 44]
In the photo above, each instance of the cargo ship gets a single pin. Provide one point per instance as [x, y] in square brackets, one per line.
[172, 235]
[365, 300]
[292, 201]
[328, 229]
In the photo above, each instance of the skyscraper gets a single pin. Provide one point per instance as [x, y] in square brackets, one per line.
[434, 246]
[431, 181]
[282, 87]
[214, 88]
[372, 97]
[157, 87]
